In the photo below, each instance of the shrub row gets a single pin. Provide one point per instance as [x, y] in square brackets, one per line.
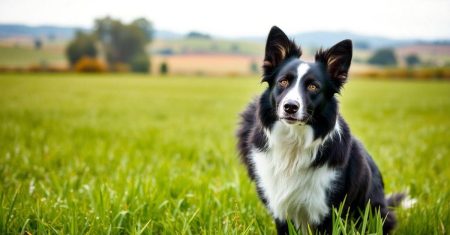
[408, 73]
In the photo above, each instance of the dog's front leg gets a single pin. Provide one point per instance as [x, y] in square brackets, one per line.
[282, 227]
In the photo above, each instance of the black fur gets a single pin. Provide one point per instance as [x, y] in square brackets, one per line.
[359, 180]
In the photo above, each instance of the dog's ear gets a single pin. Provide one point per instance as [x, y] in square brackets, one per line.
[278, 48]
[337, 61]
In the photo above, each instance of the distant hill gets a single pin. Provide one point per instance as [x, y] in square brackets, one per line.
[167, 35]
[327, 39]
[308, 39]
[18, 30]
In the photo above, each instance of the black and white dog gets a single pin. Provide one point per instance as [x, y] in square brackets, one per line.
[298, 148]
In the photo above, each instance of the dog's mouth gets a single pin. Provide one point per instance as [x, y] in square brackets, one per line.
[292, 120]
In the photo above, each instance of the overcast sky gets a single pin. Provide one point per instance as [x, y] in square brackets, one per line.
[425, 19]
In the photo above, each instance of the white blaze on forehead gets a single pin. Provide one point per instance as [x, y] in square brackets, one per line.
[302, 70]
[294, 93]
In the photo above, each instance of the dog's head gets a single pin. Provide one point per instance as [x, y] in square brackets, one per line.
[299, 89]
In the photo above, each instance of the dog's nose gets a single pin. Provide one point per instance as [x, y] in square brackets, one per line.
[291, 106]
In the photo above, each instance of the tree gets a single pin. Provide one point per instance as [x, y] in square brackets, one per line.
[83, 45]
[383, 57]
[124, 43]
[146, 26]
[195, 34]
[37, 43]
[412, 60]
[163, 68]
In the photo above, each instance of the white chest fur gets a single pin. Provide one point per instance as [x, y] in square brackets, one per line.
[293, 189]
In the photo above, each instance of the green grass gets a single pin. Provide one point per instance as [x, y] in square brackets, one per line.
[131, 154]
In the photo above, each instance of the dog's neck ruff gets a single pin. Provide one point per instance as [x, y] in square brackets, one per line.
[293, 188]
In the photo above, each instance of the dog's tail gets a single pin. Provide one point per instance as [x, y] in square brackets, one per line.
[400, 200]
[395, 200]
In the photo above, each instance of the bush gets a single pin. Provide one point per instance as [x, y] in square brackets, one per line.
[90, 65]
[83, 45]
[164, 68]
[254, 68]
[408, 73]
[412, 60]
[37, 44]
[383, 57]
[34, 69]
[45, 69]
[140, 64]
[120, 68]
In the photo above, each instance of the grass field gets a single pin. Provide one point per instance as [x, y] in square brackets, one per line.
[131, 154]
[24, 56]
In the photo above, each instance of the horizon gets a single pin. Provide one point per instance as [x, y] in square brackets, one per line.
[396, 20]
[238, 37]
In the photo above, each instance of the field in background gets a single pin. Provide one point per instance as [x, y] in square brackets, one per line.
[131, 154]
[27, 57]
[200, 45]
[208, 64]
[226, 57]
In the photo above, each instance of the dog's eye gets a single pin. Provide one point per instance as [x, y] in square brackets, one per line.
[312, 88]
[284, 83]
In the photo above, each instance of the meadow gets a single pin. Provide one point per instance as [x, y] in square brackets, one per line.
[26, 56]
[133, 154]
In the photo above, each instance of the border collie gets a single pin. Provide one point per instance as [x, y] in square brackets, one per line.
[297, 147]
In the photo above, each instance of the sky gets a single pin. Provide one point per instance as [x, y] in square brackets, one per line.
[400, 19]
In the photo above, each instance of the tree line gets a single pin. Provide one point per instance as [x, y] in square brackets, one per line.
[123, 47]
[387, 57]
